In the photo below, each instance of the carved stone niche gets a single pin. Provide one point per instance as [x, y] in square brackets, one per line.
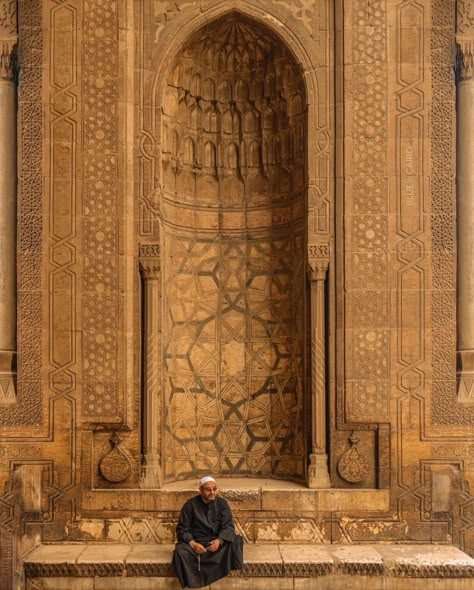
[233, 263]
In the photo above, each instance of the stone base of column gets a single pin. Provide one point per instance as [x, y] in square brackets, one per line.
[7, 377]
[465, 376]
[150, 476]
[318, 473]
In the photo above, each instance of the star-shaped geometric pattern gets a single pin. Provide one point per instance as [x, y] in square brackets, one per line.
[233, 335]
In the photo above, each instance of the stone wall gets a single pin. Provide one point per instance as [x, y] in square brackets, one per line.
[379, 169]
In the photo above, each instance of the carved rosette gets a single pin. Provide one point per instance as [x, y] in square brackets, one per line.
[116, 465]
[353, 466]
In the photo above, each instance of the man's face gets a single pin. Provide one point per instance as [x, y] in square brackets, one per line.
[208, 491]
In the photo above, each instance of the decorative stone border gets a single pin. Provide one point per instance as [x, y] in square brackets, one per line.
[275, 561]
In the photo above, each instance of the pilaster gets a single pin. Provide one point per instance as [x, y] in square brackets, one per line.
[318, 474]
[465, 205]
[8, 186]
[150, 265]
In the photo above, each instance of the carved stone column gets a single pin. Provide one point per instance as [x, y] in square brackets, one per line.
[152, 399]
[8, 184]
[318, 474]
[465, 220]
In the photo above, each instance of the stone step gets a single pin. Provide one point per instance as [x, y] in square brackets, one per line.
[105, 566]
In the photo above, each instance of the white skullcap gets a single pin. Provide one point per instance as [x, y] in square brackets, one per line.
[205, 479]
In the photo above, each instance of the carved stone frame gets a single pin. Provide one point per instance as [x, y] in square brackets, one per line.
[313, 52]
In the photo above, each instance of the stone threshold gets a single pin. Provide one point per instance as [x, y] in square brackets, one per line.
[270, 561]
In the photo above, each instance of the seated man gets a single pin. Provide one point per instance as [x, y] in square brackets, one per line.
[208, 547]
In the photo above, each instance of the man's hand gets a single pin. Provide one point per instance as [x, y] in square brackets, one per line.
[214, 545]
[198, 548]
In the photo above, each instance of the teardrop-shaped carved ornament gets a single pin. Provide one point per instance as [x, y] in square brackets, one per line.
[115, 466]
[353, 466]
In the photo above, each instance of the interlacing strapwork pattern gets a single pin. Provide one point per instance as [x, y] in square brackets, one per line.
[367, 361]
[233, 356]
[233, 147]
[30, 206]
[100, 209]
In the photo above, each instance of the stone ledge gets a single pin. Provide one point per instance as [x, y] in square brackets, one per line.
[271, 561]
[241, 495]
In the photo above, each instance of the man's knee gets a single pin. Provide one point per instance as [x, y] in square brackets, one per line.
[183, 549]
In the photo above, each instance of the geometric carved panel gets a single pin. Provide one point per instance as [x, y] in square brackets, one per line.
[366, 233]
[233, 355]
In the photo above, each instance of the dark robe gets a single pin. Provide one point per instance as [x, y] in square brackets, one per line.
[203, 523]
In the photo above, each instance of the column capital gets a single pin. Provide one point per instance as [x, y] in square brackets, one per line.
[150, 260]
[8, 40]
[318, 261]
[8, 59]
[465, 57]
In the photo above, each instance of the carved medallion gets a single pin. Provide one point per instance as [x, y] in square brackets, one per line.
[353, 466]
[116, 465]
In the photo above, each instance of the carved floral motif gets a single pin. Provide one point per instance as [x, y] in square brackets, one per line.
[115, 466]
[465, 17]
[353, 466]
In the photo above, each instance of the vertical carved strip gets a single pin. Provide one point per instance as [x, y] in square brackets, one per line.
[102, 401]
[366, 239]
[62, 189]
[318, 474]
[152, 415]
[410, 175]
[8, 186]
[465, 219]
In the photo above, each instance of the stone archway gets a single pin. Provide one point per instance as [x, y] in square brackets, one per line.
[233, 235]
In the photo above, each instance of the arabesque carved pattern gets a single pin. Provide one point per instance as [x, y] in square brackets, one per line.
[465, 17]
[444, 407]
[28, 410]
[367, 392]
[100, 71]
[8, 18]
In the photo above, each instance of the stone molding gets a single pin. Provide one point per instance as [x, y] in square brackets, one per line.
[260, 561]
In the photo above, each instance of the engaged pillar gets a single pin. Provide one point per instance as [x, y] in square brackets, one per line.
[318, 474]
[152, 412]
[8, 184]
[465, 222]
